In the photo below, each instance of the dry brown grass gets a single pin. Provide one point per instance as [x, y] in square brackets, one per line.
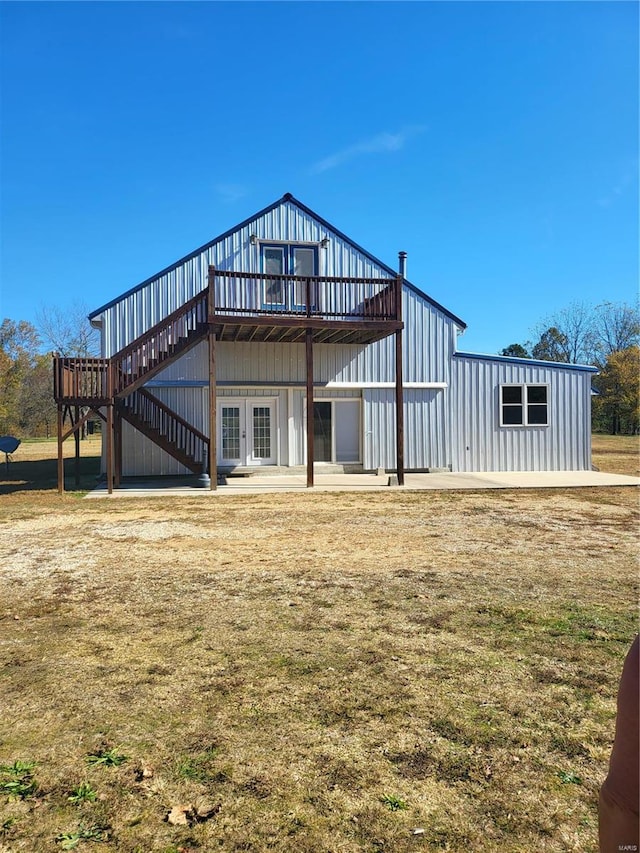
[297, 659]
[617, 454]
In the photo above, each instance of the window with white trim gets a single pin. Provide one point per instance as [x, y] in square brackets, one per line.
[524, 405]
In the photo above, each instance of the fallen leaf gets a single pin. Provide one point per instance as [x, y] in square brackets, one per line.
[179, 815]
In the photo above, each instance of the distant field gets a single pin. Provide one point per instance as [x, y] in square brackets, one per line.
[323, 673]
[617, 454]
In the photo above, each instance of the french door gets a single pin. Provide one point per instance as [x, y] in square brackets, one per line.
[247, 432]
[288, 260]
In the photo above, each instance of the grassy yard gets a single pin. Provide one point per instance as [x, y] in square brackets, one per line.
[310, 673]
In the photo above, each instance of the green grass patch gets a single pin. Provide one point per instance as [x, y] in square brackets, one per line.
[17, 780]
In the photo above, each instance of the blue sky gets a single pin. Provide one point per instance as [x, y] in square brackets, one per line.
[497, 143]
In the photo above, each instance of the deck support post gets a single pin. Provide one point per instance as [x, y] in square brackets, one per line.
[118, 446]
[399, 395]
[213, 401]
[110, 448]
[76, 438]
[60, 450]
[213, 450]
[309, 353]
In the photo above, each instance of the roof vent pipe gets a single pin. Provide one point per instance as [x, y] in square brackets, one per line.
[402, 264]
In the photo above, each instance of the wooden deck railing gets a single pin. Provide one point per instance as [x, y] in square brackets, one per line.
[78, 379]
[329, 297]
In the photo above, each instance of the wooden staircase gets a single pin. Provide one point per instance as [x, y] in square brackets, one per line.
[117, 381]
[168, 430]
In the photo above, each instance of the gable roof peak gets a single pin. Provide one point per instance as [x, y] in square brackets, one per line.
[287, 197]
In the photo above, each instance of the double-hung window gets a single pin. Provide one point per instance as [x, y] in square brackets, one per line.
[282, 260]
[524, 405]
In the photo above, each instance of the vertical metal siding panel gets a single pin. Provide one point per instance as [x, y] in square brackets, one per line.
[299, 428]
[192, 366]
[428, 340]
[379, 428]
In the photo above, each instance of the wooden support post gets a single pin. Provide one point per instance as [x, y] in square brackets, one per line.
[60, 450]
[118, 446]
[309, 352]
[399, 395]
[211, 294]
[110, 448]
[213, 403]
[76, 438]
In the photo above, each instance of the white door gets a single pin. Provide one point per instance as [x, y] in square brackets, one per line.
[261, 437]
[247, 432]
[231, 433]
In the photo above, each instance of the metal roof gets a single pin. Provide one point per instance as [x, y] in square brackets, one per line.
[533, 362]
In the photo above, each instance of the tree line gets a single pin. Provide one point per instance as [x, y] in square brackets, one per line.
[27, 407]
[606, 336]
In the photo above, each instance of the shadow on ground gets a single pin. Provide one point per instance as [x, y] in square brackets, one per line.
[42, 474]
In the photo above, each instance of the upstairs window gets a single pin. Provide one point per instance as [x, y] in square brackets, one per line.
[524, 405]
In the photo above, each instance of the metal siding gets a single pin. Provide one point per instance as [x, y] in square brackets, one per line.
[299, 412]
[193, 366]
[483, 445]
[425, 432]
[425, 421]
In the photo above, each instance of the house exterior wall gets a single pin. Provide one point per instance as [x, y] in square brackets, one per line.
[479, 443]
[451, 400]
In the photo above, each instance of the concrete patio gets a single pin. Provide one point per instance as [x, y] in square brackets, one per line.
[188, 487]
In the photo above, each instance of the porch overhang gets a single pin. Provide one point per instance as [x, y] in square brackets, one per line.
[292, 329]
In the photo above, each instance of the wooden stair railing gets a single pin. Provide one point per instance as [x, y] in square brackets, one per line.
[165, 428]
[140, 360]
[99, 381]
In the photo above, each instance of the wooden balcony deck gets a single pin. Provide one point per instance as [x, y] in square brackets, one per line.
[280, 308]
[239, 306]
